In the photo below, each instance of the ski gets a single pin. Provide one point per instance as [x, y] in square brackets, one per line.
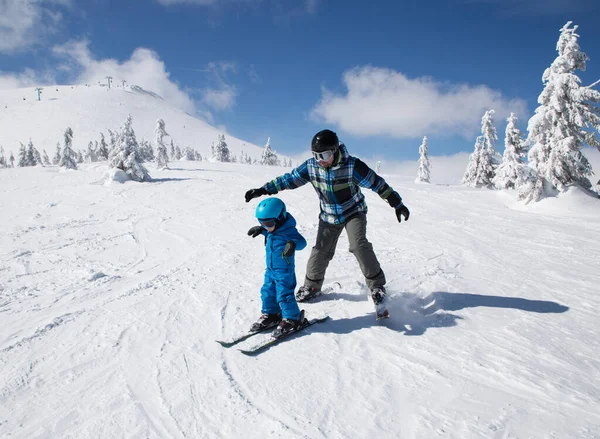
[271, 341]
[243, 336]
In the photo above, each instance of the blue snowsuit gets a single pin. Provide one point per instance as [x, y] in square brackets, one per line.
[277, 292]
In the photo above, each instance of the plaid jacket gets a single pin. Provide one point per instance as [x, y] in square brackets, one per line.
[338, 186]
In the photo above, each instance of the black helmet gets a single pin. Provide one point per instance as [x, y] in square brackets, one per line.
[325, 140]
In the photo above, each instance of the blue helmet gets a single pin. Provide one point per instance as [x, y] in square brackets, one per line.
[271, 212]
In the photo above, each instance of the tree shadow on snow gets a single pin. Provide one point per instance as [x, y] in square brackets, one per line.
[413, 314]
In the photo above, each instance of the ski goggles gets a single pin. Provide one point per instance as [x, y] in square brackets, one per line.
[324, 156]
[270, 222]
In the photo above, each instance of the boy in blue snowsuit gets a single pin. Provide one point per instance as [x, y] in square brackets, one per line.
[282, 239]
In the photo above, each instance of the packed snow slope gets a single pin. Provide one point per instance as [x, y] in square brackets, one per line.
[91, 109]
[112, 297]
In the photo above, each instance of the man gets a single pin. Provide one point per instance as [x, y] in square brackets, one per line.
[337, 177]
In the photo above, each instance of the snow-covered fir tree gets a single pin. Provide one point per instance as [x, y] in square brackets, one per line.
[90, 153]
[172, 150]
[37, 157]
[102, 150]
[68, 158]
[424, 173]
[479, 170]
[30, 159]
[45, 158]
[566, 119]
[178, 153]
[146, 153]
[22, 160]
[79, 156]
[57, 155]
[2, 158]
[11, 160]
[512, 172]
[113, 141]
[162, 158]
[268, 156]
[220, 150]
[198, 156]
[125, 156]
[490, 137]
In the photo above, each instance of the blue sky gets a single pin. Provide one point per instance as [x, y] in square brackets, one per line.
[382, 74]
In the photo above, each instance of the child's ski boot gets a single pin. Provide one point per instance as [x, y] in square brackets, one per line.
[265, 321]
[288, 325]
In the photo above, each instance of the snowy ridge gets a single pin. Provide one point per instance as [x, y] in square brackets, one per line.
[111, 298]
[92, 109]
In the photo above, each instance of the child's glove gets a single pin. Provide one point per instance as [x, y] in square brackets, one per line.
[402, 211]
[290, 248]
[255, 231]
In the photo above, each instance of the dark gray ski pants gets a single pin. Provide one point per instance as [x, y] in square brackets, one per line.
[324, 249]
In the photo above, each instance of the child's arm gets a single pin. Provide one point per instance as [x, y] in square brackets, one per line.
[298, 240]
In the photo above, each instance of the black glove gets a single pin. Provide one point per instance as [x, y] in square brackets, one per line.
[290, 248]
[254, 193]
[402, 211]
[255, 231]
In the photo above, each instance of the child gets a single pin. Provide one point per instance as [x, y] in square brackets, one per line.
[277, 293]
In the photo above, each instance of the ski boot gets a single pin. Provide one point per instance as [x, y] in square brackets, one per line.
[288, 325]
[378, 295]
[265, 321]
[304, 293]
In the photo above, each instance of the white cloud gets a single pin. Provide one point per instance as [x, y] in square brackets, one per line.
[220, 99]
[144, 68]
[381, 101]
[222, 96]
[23, 23]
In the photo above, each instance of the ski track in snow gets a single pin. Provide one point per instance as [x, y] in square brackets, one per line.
[111, 298]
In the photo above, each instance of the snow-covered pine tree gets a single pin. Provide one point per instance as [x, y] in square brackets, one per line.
[423, 175]
[198, 156]
[38, 157]
[512, 172]
[114, 141]
[125, 156]
[22, 161]
[30, 159]
[490, 138]
[188, 154]
[102, 150]
[268, 156]
[57, 155]
[79, 156]
[90, 154]
[220, 150]
[178, 153]
[470, 178]
[45, 158]
[68, 157]
[565, 121]
[12, 160]
[172, 150]
[2, 158]
[162, 157]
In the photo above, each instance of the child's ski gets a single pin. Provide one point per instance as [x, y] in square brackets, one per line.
[271, 341]
[243, 336]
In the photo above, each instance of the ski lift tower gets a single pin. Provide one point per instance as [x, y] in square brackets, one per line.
[39, 92]
[109, 79]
